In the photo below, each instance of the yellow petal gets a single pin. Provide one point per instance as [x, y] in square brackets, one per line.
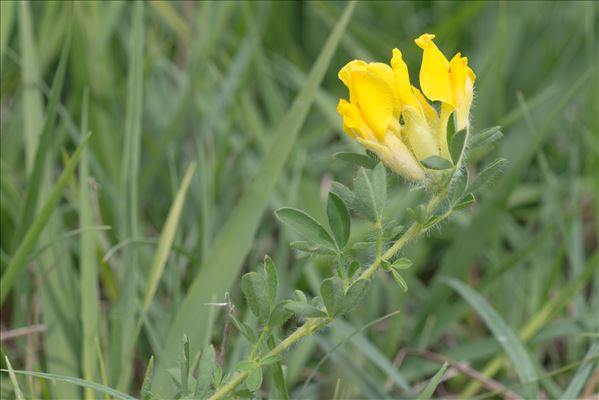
[402, 80]
[353, 122]
[435, 80]
[429, 112]
[345, 76]
[417, 132]
[462, 79]
[375, 99]
[385, 72]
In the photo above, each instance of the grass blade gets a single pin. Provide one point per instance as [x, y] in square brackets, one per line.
[34, 185]
[128, 207]
[17, 263]
[503, 333]
[13, 381]
[76, 381]
[222, 265]
[428, 391]
[582, 374]
[90, 301]
[540, 319]
[165, 244]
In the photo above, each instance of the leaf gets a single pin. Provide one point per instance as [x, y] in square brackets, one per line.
[582, 374]
[459, 185]
[379, 185]
[270, 272]
[428, 391]
[353, 267]
[401, 263]
[270, 360]
[88, 263]
[221, 266]
[465, 202]
[279, 315]
[255, 289]
[13, 380]
[457, 145]
[354, 294]
[361, 160]
[205, 368]
[306, 226]
[399, 280]
[17, 262]
[76, 381]
[504, 335]
[244, 329]
[344, 192]
[366, 202]
[487, 175]
[45, 142]
[184, 367]
[304, 310]
[165, 244]
[301, 296]
[146, 393]
[245, 365]
[332, 294]
[418, 214]
[339, 219]
[307, 247]
[254, 380]
[437, 163]
[485, 138]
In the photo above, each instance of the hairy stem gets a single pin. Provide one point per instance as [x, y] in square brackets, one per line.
[314, 324]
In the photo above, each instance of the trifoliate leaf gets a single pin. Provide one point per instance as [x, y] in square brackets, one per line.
[354, 294]
[437, 163]
[465, 202]
[304, 310]
[399, 280]
[279, 315]
[339, 219]
[486, 175]
[271, 279]
[306, 226]
[270, 360]
[254, 380]
[402, 263]
[332, 294]
[244, 329]
[255, 289]
[457, 145]
[308, 247]
[361, 160]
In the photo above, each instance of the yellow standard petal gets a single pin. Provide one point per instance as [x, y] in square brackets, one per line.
[402, 80]
[435, 80]
[376, 100]
[462, 80]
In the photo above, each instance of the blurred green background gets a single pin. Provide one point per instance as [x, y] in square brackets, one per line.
[163, 84]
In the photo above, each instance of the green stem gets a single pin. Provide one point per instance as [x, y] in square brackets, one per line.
[314, 324]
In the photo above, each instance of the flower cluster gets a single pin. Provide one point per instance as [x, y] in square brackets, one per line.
[392, 118]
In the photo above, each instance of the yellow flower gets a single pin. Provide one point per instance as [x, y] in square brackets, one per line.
[450, 82]
[380, 95]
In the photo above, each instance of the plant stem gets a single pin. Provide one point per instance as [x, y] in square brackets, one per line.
[314, 324]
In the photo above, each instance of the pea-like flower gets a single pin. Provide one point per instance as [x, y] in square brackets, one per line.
[392, 118]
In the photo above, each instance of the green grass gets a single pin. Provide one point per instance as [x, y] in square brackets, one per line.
[246, 92]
